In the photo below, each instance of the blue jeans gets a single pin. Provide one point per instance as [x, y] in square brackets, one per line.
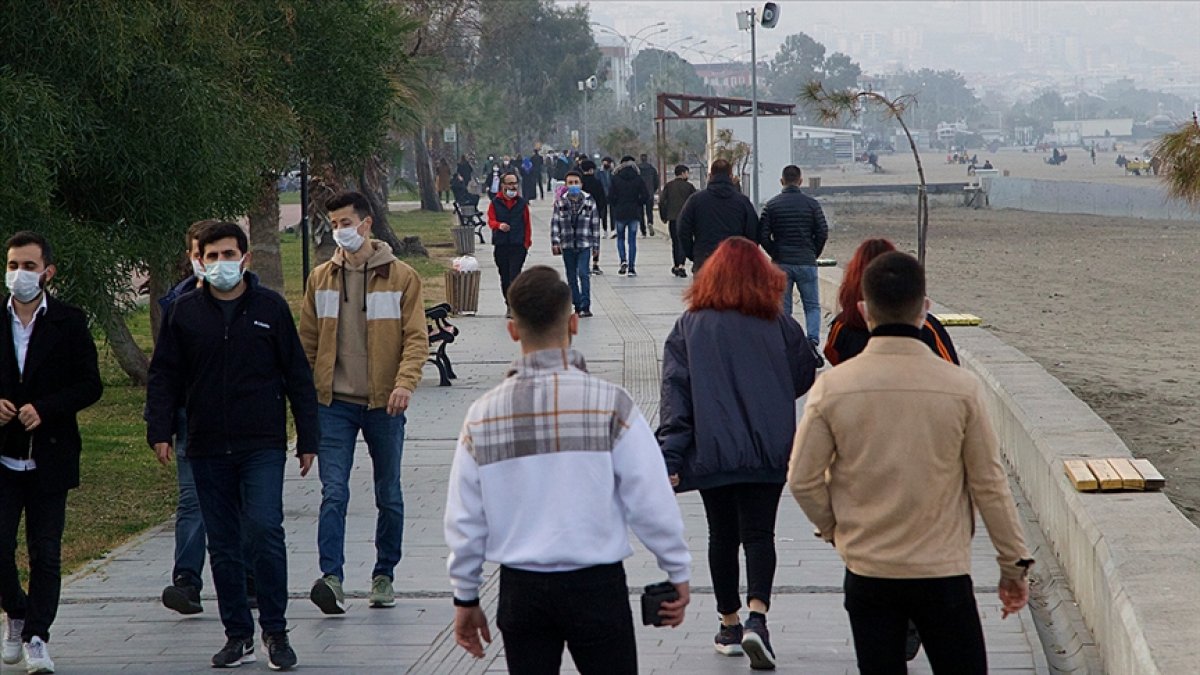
[627, 228]
[805, 279]
[245, 491]
[340, 423]
[579, 277]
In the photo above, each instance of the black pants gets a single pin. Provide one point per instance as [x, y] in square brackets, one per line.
[45, 517]
[649, 213]
[510, 258]
[677, 256]
[587, 609]
[943, 610]
[741, 514]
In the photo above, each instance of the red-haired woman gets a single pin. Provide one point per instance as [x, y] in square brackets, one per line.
[848, 332]
[733, 367]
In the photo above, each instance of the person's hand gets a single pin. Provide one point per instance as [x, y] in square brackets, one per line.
[28, 415]
[1014, 593]
[7, 411]
[470, 624]
[398, 401]
[556, 250]
[306, 462]
[674, 480]
[504, 227]
[163, 452]
[672, 612]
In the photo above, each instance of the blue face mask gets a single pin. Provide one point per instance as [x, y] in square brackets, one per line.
[224, 274]
[574, 190]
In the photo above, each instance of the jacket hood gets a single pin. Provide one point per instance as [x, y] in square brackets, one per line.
[628, 170]
[381, 254]
[721, 186]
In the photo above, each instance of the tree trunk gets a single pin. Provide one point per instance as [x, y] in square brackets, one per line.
[321, 186]
[159, 284]
[130, 357]
[264, 235]
[425, 186]
[370, 179]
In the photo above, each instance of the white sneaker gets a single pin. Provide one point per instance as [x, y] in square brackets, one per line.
[12, 641]
[37, 657]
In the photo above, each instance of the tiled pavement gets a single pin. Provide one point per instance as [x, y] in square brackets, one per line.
[111, 620]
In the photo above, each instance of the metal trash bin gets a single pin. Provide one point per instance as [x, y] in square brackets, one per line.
[464, 240]
[462, 291]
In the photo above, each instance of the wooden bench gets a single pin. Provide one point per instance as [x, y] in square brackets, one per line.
[469, 216]
[441, 334]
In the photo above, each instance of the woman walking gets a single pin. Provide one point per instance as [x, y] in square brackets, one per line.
[733, 367]
[443, 180]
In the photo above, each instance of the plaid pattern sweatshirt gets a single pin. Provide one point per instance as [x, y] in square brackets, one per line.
[575, 223]
[552, 467]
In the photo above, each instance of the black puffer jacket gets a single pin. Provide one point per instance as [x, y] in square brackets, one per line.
[713, 215]
[629, 197]
[793, 228]
[730, 384]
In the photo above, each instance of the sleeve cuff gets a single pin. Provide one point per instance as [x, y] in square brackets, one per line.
[459, 602]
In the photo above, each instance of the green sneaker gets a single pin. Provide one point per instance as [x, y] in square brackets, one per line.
[382, 593]
[327, 594]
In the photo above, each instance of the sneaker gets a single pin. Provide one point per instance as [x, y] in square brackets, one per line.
[651, 230]
[757, 643]
[912, 643]
[182, 598]
[729, 640]
[643, 230]
[327, 594]
[585, 314]
[613, 235]
[596, 270]
[235, 652]
[12, 640]
[632, 272]
[382, 594]
[623, 270]
[37, 656]
[280, 655]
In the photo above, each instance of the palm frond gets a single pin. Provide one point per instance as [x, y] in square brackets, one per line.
[1180, 154]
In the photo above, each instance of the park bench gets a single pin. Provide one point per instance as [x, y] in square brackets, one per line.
[469, 216]
[441, 334]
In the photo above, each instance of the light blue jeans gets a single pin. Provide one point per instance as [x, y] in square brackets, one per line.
[627, 230]
[804, 277]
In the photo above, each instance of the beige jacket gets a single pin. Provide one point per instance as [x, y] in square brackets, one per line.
[908, 448]
[397, 339]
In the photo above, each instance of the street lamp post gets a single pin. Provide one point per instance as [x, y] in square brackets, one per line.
[585, 86]
[748, 20]
[628, 42]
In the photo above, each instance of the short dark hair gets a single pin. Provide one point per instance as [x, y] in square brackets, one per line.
[643, 156]
[721, 167]
[223, 229]
[627, 158]
[894, 287]
[791, 173]
[575, 173]
[197, 228]
[27, 237]
[588, 165]
[539, 300]
[681, 169]
[508, 173]
[362, 207]
[607, 159]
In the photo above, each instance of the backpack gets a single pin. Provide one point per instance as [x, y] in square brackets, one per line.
[527, 165]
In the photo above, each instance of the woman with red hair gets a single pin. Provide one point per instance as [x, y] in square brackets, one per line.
[733, 367]
[848, 332]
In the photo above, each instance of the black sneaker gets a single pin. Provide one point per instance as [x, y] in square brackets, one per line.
[757, 643]
[235, 652]
[632, 272]
[912, 643]
[596, 270]
[280, 655]
[182, 598]
[624, 269]
[729, 640]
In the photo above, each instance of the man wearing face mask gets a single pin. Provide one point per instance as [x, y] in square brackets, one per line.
[512, 231]
[363, 330]
[575, 235]
[230, 353]
[48, 373]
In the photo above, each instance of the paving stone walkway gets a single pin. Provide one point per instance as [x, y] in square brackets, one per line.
[111, 620]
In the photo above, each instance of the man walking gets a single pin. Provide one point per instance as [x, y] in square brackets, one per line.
[363, 330]
[512, 230]
[892, 458]
[552, 467]
[793, 232]
[575, 235]
[605, 175]
[628, 203]
[674, 195]
[231, 354]
[48, 373]
[537, 163]
[650, 176]
[714, 214]
[593, 186]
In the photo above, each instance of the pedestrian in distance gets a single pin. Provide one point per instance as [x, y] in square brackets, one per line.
[575, 235]
[733, 366]
[674, 195]
[650, 176]
[628, 202]
[792, 230]
[604, 175]
[443, 180]
[48, 373]
[512, 230]
[714, 214]
[231, 353]
[893, 457]
[363, 330]
[553, 467]
[595, 188]
[848, 332]
[537, 164]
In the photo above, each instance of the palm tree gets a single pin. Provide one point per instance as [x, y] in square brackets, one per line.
[1180, 155]
[831, 106]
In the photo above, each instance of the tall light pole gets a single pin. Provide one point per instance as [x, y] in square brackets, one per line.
[747, 20]
[628, 42]
[585, 86]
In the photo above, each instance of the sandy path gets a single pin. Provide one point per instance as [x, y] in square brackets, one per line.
[1107, 305]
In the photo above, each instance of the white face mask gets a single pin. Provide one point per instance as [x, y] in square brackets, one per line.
[197, 269]
[348, 238]
[510, 193]
[24, 285]
[224, 275]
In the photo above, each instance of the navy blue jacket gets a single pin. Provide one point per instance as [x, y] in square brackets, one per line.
[793, 229]
[713, 215]
[729, 390]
